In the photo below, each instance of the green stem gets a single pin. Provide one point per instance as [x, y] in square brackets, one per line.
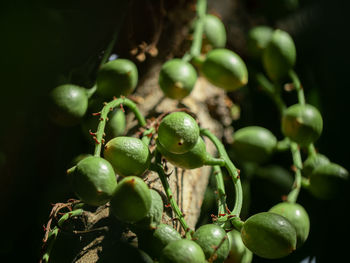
[220, 187]
[272, 90]
[157, 167]
[311, 150]
[196, 46]
[52, 236]
[103, 118]
[91, 91]
[147, 135]
[283, 145]
[232, 170]
[293, 194]
[296, 83]
[214, 161]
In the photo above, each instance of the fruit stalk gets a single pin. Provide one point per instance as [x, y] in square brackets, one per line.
[293, 194]
[220, 187]
[297, 86]
[198, 31]
[234, 173]
[157, 166]
[103, 118]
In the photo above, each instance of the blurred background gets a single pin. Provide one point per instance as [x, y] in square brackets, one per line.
[42, 41]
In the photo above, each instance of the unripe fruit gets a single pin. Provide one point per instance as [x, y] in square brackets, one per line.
[128, 155]
[182, 251]
[238, 251]
[225, 69]
[312, 162]
[93, 180]
[194, 158]
[257, 40]
[178, 132]
[68, 104]
[131, 200]
[269, 235]
[210, 236]
[154, 215]
[254, 143]
[177, 78]
[279, 56]
[303, 124]
[297, 216]
[154, 241]
[328, 181]
[214, 32]
[117, 77]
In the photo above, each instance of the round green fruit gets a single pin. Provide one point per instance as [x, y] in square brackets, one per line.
[225, 69]
[93, 180]
[154, 215]
[297, 216]
[238, 251]
[182, 251]
[68, 104]
[214, 32]
[257, 40]
[328, 181]
[269, 235]
[117, 77]
[128, 155]
[177, 78]
[312, 162]
[254, 144]
[178, 132]
[279, 56]
[154, 241]
[194, 158]
[210, 236]
[131, 200]
[302, 124]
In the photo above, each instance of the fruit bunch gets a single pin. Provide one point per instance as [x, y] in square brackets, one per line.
[116, 170]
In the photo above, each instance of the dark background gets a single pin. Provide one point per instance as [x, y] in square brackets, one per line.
[41, 41]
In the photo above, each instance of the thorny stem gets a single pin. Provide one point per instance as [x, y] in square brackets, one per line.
[220, 187]
[293, 194]
[52, 236]
[272, 90]
[234, 173]
[98, 136]
[297, 86]
[198, 31]
[157, 166]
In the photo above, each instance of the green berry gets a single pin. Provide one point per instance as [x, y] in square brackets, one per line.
[254, 144]
[178, 132]
[279, 56]
[225, 69]
[177, 78]
[303, 124]
[68, 104]
[154, 215]
[269, 235]
[194, 158]
[312, 162]
[297, 216]
[214, 32]
[182, 251]
[128, 155]
[257, 40]
[154, 241]
[131, 200]
[238, 251]
[328, 181]
[210, 236]
[93, 180]
[117, 77]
